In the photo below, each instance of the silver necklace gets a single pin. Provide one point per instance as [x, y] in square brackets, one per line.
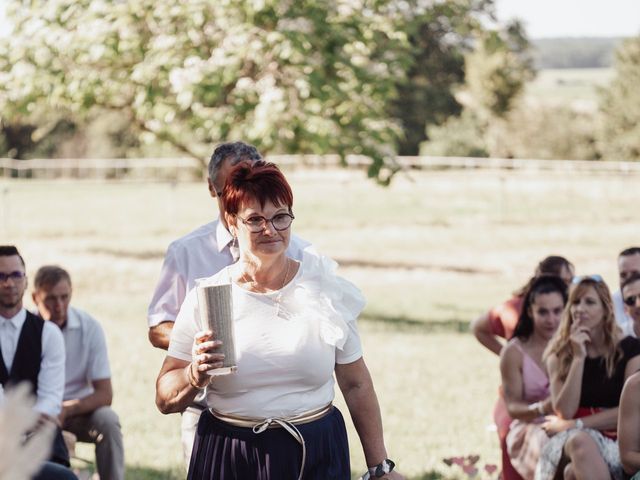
[278, 298]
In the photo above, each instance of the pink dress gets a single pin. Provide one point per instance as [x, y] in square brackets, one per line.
[525, 440]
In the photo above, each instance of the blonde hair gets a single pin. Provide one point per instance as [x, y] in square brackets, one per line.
[560, 343]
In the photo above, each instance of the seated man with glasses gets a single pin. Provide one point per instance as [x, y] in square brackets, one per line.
[631, 297]
[32, 350]
[628, 264]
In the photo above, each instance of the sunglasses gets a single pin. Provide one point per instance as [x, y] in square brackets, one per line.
[579, 278]
[631, 300]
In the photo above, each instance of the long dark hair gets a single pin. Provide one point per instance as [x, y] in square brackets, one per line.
[539, 285]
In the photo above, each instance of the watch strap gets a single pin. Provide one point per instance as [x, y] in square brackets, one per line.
[380, 470]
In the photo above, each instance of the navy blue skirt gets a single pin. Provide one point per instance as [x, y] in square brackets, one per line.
[225, 452]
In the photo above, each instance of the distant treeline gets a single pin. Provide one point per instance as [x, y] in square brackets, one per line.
[591, 52]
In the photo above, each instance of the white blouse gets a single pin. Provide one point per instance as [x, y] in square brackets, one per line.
[287, 342]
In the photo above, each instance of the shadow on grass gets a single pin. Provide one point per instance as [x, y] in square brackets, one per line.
[428, 476]
[414, 324]
[432, 475]
[149, 473]
[146, 473]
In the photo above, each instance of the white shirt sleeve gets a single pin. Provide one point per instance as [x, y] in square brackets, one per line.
[169, 292]
[185, 328]
[99, 358]
[352, 348]
[51, 376]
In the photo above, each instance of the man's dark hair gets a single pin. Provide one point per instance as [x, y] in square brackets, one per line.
[10, 251]
[233, 152]
[49, 276]
[633, 278]
[553, 265]
[627, 252]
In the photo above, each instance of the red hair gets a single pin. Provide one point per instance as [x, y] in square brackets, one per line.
[258, 180]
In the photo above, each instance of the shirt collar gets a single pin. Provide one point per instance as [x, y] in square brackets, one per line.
[223, 237]
[73, 319]
[18, 319]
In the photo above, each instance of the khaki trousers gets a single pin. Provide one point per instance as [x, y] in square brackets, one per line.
[101, 427]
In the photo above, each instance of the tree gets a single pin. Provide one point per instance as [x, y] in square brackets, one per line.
[289, 76]
[440, 35]
[619, 137]
[497, 69]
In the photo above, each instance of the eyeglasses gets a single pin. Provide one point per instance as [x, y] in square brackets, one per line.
[631, 300]
[257, 223]
[579, 278]
[15, 276]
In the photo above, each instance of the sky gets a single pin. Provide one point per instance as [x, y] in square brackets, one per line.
[573, 18]
[553, 18]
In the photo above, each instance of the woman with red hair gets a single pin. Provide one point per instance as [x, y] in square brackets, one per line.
[295, 328]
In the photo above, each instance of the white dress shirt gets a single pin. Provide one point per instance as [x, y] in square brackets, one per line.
[201, 253]
[51, 376]
[624, 321]
[87, 358]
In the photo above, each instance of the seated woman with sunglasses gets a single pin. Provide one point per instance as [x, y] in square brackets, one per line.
[295, 327]
[524, 379]
[588, 361]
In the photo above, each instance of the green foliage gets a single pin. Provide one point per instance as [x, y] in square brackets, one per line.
[545, 132]
[496, 73]
[620, 105]
[527, 131]
[30, 140]
[461, 136]
[498, 69]
[440, 36]
[305, 77]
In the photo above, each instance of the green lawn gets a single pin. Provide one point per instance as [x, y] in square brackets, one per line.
[571, 86]
[430, 252]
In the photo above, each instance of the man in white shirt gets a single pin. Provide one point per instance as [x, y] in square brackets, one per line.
[86, 406]
[631, 297]
[201, 253]
[628, 264]
[31, 350]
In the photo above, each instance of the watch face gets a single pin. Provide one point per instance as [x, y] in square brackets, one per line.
[385, 467]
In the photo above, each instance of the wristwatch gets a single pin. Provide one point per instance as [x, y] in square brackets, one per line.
[380, 470]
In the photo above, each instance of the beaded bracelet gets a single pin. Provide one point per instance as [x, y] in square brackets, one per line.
[192, 378]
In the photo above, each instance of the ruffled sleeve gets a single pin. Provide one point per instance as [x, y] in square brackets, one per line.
[336, 302]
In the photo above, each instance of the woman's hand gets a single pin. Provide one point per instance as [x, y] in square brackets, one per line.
[204, 358]
[579, 337]
[553, 425]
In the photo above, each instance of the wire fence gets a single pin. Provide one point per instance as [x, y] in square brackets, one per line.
[181, 168]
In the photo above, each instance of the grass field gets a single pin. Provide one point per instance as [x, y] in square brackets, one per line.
[430, 253]
[577, 87]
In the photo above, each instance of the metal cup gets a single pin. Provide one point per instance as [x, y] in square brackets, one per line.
[216, 314]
